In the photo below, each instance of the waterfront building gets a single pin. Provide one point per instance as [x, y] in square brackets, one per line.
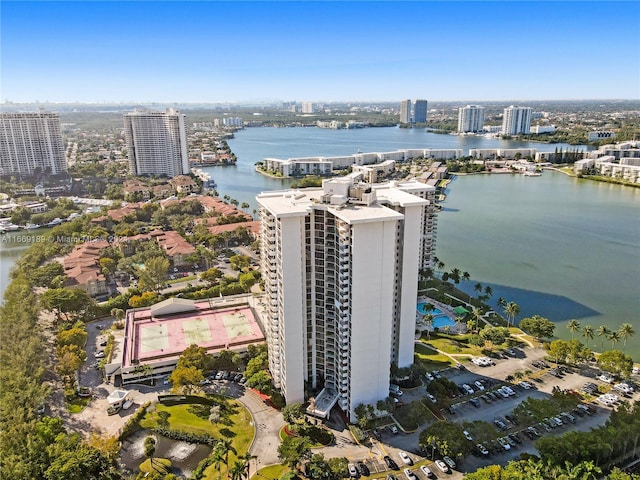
[405, 111]
[156, 142]
[325, 165]
[307, 107]
[516, 120]
[470, 119]
[537, 129]
[31, 143]
[420, 111]
[340, 265]
[600, 135]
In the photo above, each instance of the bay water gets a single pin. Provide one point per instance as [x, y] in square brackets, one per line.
[558, 246]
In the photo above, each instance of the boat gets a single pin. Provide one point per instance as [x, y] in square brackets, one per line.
[31, 226]
[9, 227]
[527, 173]
[54, 222]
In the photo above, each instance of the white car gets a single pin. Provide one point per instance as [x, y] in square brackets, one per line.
[605, 377]
[624, 388]
[394, 429]
[432, 398]
[467, 435]
[467, 389]
[505, 444]
[502, 393]
[427, 472]
[525, 385]
[509, 390]
[479, 385]
[442, 466]
[405, 458]
[409, 474]
[99, 354]
[353, 471]
[428, 376]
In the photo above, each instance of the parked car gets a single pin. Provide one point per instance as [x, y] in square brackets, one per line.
[500, 424]
[605, 377]
[428, 473]
[432, 398]
[391, 463]
[353, 471]
[394, 429]
[363, 469]
[405, 458]
[467, 389]
[479, 385]
[474, 402]
[505, 444]
[467, 435]
[99, 354]
[482, 449]
[515, 437]
[525, 385]
[449, 461]
[428, 376]
[442, 466]
[409, 474]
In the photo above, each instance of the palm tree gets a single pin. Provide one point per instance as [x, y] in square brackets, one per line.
[488, 291]
[511, 310]
[246, 459]
[603, 331]
[573, 326]
[226, 446]
[238, 470]
[428, 320]
[466, 276]
[615, 337]
[502, 303]
[626, 332]
[150, 448]
[217, 457]
[477, 287]
[587, 332]
[477, 315]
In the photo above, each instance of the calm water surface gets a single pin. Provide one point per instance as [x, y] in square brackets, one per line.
[560, 247]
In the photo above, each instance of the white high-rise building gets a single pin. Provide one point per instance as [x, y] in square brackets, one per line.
[340, 265]
[516, 120]
[307, 107]
[31, 143]
[471, 119]
[405, 111]
[156, 142]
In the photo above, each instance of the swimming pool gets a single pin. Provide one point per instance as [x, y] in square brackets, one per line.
[422, 309]
[440, 319]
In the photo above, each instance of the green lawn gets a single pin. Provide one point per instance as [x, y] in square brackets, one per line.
[193, 418]
[431, 359]
[453, 344]
[272, 472]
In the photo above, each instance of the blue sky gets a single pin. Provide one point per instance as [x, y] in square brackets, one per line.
[330, 51]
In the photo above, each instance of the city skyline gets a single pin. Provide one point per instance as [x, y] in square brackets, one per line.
[95, 52]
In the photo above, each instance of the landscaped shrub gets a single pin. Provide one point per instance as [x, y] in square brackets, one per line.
[133, 424]
[203, 438]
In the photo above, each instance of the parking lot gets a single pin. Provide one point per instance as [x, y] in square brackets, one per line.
[487, 411]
